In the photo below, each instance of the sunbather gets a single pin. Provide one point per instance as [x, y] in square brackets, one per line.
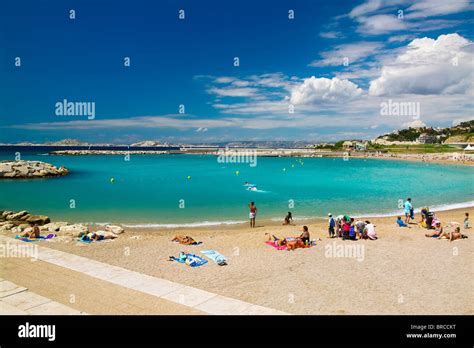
[277, 241]
[437, 232]
[453, 235]
[186, 240]
[34, 233]
[99, 235]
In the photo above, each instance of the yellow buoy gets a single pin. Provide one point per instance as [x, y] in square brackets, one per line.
[237, 172]
[189, 177]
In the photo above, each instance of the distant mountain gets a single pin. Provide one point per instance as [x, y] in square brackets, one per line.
[147, 143]
[67, 142]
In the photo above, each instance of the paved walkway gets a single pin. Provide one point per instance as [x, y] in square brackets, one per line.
[17, 300]
[197, 299]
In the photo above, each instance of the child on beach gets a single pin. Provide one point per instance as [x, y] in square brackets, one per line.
[331, 225]
[346, 228]
[360, 226]
[466, 221]
[288, 219]
[400, 222]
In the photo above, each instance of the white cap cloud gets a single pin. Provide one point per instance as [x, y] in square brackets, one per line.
[428, 66]
[314, 90]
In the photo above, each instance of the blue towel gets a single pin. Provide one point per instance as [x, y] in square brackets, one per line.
[196, 261]
[216, 257]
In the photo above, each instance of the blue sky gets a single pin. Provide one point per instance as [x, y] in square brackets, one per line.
[319, 76]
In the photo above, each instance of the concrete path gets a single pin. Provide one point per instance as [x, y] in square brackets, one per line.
[17, 300]
[200, 300]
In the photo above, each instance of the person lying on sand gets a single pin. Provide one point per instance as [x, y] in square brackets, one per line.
[453, 235]
[437, 232]
[186, 240]
[276, 240]
[34, 233]
[99, 235]
[288, 219]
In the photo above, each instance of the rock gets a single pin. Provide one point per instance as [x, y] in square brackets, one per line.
[53, 226]
[29, 169]
[38, 219]
[73, 230]
[6, 213]
[16, 230]
[23, 226]
[7, 226]
[25, 217]
[16, 216]
[114, 228]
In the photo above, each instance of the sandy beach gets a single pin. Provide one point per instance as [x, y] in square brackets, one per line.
[403, 272]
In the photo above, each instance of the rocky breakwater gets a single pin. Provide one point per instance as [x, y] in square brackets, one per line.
[23, 221]
[29, 169]
[107, 152]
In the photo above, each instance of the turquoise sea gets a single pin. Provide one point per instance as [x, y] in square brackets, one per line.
[155, 190]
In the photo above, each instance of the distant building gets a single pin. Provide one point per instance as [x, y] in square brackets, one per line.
[469, 148]
[426, 139]
[359, 146]
[348, 145]
[355, 145]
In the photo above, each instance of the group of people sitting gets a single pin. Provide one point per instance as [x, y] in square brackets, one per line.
[346, 227]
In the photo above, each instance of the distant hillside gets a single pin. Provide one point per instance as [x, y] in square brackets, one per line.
[463, 132]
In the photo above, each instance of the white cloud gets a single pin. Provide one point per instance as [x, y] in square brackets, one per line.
[330, 34]
[430, 8]
[233, 92]
[314, 90]
[375, 17]
[381, 24]
[428, 66]
[353, 52]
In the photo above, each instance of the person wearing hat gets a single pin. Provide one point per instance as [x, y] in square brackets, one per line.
[331, 225]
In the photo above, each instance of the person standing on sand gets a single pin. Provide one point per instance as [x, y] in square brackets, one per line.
[252, 214]
[408, 208]
[331, 225]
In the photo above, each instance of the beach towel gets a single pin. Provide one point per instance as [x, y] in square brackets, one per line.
[277, 247]
[190, 259]
[26, 239]
[216, 257]
[283, 247]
